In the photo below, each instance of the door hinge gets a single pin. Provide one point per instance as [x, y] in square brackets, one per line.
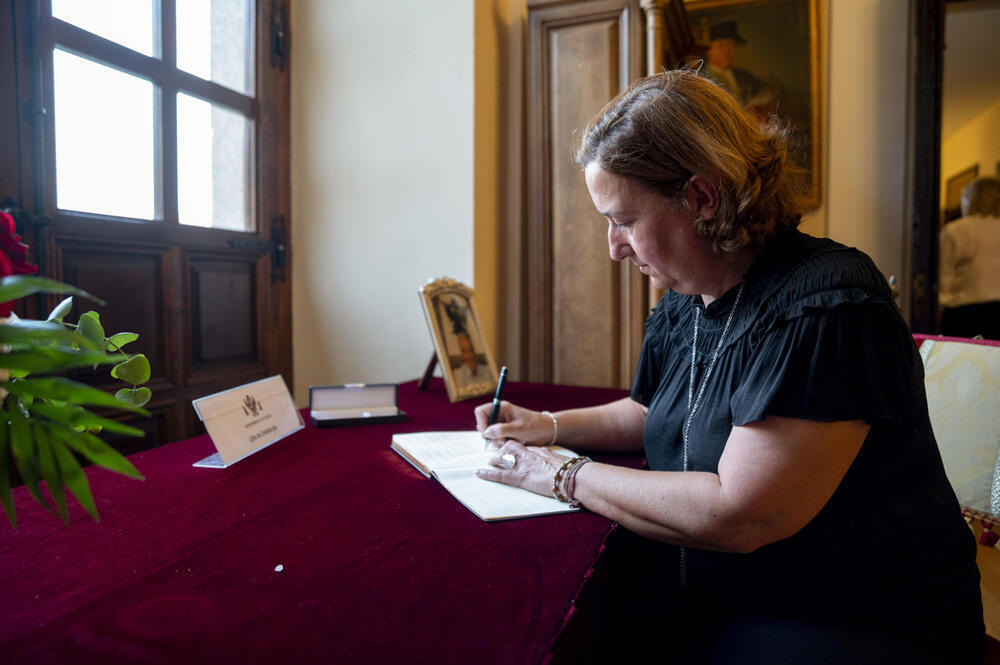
[277, 247]
[279, 35]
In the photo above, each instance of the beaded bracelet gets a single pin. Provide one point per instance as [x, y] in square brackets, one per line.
[569, 480]
[561, 481]
[558, 478]
[555, 426]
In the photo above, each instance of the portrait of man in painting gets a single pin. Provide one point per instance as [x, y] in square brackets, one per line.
[765, 53]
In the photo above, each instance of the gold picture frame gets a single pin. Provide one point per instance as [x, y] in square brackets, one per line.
[952, 208]
[460, 347]
[777, 55]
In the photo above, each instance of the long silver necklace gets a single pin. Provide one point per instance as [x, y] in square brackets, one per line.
[694, 401]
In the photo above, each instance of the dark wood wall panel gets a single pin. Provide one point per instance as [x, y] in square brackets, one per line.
[129, 279]
[585, 282]
[223, 297]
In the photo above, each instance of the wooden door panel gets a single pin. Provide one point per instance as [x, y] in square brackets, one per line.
[585, 312]
[129, 279]
[585, 282]
[224, 330]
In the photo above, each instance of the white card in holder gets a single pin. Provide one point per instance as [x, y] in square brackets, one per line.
[247, 418]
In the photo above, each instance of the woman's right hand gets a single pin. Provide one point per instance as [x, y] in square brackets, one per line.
[516, 423]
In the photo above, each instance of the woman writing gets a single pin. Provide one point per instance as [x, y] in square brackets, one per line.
[793, 474]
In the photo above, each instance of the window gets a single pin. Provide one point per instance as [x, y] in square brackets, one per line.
[153, 109]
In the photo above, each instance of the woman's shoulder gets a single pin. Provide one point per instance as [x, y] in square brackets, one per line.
[798, 272]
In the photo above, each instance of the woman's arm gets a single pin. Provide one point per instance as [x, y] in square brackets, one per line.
[616, 426]
[774, 477]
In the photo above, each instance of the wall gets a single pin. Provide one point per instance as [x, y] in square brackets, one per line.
[977, 142]
[866, 193]
[382, 181]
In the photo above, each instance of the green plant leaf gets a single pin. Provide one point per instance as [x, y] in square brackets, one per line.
[118, 340]
[73, 475]
[90, 327]
[61, 310]
[54, 359]
[14, 287]
[28, 333]
[97, 452]
[135, 370]
[5, 495]
[21, 443]
[78, 417]
[50, 471]
[25, 455]
[64, 390]
[135, 397]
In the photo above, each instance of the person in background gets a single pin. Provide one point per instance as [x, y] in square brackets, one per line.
[970, 264]
[795, 508]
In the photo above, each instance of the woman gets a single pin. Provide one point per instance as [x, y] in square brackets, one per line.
[970, 264]
[780, 404]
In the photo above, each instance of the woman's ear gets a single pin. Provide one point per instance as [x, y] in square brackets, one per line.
[702, 197]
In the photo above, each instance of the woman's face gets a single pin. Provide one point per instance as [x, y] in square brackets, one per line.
[654, 232]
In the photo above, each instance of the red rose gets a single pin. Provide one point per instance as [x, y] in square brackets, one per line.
[13, 256]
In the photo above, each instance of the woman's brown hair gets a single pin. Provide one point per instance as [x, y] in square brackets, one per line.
[670, 126]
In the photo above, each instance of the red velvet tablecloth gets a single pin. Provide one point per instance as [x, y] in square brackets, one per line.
[379, 564]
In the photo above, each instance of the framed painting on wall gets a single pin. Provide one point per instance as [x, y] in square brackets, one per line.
[767, 54]
[953, 193]
[460, 347]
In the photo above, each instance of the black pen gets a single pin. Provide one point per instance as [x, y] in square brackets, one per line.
[495, 411]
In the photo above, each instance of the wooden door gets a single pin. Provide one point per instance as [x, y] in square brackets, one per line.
[585, 313]
[211, 305]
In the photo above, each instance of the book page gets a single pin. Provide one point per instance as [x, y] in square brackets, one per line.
[495, 501]
[439, 451]
[453, 457]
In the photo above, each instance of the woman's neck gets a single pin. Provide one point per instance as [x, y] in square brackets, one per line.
[731, 273]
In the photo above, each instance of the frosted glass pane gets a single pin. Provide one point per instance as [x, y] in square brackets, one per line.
[213, 154]
[214, 41]
[127, 22]
[104, 139]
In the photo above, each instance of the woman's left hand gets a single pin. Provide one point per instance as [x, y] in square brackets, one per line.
[533, 468]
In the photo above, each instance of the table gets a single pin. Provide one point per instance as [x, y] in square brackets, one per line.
[377, 563]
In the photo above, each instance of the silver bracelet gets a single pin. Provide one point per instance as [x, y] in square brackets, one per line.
[555, 426]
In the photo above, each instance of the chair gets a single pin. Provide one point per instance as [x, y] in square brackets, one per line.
[962, 380]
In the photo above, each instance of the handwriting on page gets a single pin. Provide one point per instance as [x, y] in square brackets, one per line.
[443, 450]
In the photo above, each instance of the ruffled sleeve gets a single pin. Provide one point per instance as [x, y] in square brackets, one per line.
[835, 356]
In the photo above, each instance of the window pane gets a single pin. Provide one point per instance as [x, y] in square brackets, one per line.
[104, 139]
[127, 22]
[214, 42]
[213, 157]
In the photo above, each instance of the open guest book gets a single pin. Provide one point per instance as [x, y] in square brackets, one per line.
[452, 458]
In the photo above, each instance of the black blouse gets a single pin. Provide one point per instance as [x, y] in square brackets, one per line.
[816, 335]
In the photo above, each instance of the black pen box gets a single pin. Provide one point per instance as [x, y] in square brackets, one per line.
[354, 404]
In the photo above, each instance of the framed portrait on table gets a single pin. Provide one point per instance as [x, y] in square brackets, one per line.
[466, 362]
[767, 54]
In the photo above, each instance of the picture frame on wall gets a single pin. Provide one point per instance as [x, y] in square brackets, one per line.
[467, 365]
[767, 54]
[952, 208]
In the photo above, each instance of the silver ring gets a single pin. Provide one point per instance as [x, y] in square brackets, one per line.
[508, 461]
